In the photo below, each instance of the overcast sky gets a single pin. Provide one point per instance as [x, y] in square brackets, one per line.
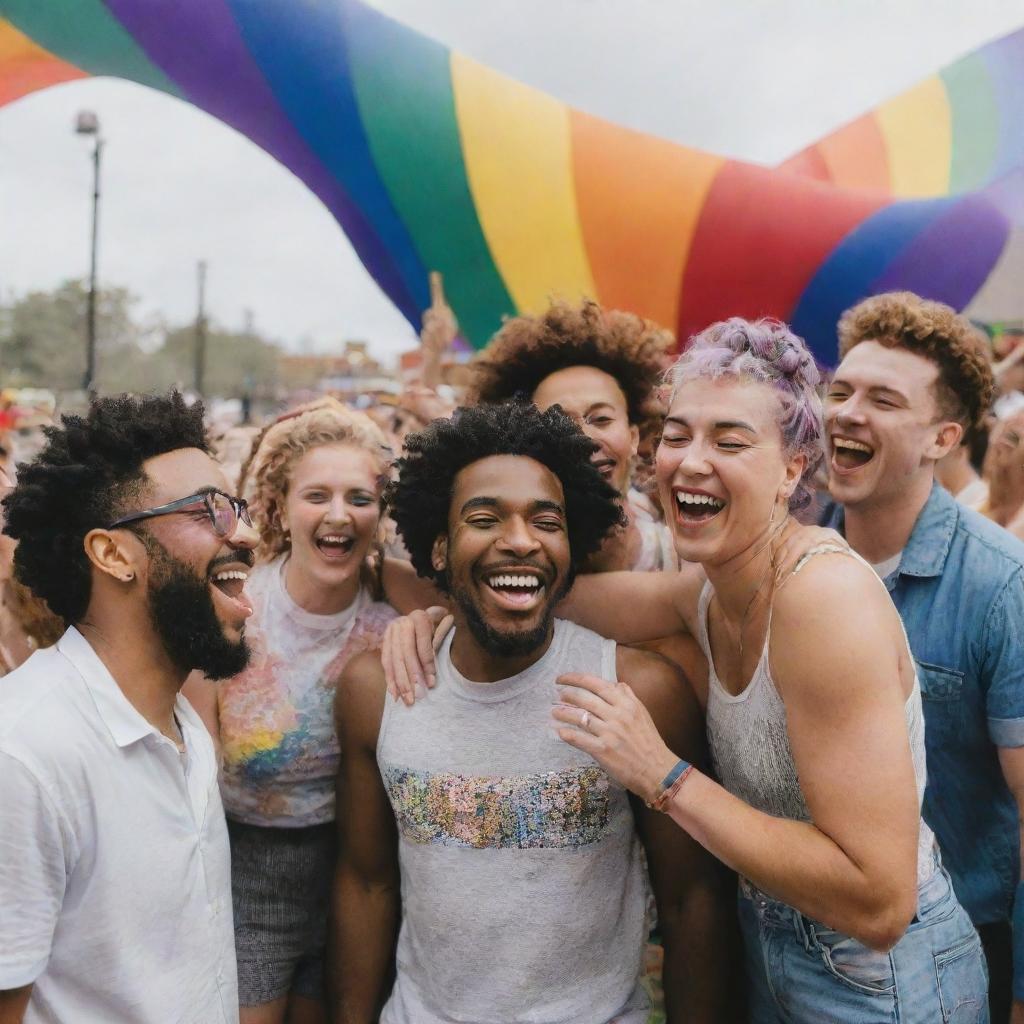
[748, 78]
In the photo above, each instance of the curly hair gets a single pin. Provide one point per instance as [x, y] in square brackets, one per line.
[284, 442]
[768, 352]
[420, 498]
[966, 384]
[87, 472]
[529, 349]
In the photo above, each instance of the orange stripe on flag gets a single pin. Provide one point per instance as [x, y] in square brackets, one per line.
[639, 199]
[26, 67]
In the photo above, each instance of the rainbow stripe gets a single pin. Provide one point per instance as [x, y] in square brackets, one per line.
[429, 160]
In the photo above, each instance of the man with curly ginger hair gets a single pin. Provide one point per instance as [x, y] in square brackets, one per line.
[602, 367]
[505, 862]
[115, 873]
[914, 377]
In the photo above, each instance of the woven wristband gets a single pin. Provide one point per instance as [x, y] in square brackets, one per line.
[1018, 942]
[670, 785]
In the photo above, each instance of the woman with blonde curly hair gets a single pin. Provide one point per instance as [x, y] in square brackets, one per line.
[314, 487]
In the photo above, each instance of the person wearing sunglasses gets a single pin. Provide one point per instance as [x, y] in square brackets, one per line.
[114, 859]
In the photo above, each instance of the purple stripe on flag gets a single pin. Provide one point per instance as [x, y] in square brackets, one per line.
[197, 44]
[951, 258]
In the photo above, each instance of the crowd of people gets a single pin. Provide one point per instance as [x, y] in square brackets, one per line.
[631, 686]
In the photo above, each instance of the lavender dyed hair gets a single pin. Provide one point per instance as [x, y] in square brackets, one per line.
[766, 352]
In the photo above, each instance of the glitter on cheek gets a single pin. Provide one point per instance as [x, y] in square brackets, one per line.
[548, 810]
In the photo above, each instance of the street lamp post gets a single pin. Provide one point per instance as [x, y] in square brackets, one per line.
[87, 123]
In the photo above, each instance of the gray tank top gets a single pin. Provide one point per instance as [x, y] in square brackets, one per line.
[750, 743]
[522, 891]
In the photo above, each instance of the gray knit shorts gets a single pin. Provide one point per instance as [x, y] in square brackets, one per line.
[280, 888]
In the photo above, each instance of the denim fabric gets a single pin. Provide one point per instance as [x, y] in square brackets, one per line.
[960, 592]
[802, 972]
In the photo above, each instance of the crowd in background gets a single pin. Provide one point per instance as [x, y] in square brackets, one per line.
[331, 574]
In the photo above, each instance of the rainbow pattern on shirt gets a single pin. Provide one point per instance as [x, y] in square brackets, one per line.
[549, 810]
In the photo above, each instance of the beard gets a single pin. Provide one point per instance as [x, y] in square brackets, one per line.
[508, 643]
[183, 615]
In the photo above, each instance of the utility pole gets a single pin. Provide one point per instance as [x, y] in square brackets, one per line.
[200, 352]
[88, 124]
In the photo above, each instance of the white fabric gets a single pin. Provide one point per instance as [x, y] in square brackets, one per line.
[887, 566]
[974, 494]
[115, 892]
[749, 737]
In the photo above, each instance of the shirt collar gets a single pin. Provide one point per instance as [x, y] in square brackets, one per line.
[124, 723]
[927, 549]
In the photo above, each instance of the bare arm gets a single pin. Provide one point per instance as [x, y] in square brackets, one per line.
[854, 867]
[694, 892]
[633, 607]
[405, 591]
[14, 1003]
[366, 901]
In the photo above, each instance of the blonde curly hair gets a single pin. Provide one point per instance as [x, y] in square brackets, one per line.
[966, 384]
[284, 442]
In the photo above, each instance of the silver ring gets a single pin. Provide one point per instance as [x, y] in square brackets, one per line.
[585, 720]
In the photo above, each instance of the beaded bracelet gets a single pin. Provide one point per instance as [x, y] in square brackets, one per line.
[670, 785]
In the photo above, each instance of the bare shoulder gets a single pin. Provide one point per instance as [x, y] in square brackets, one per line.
[833, 622]
[688, 583]
[359, 700]
[831, 588]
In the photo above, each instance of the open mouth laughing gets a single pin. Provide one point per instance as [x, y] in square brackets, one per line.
[335, 546]
[516, 589]
[695, 507]
[228, 584]
[849, 454]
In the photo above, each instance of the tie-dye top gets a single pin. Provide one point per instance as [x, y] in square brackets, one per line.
[522, 891]
[657, 549]
[280, 751]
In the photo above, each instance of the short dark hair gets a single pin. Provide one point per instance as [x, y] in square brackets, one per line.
[420, 499]
[528, 349]
[80, 481]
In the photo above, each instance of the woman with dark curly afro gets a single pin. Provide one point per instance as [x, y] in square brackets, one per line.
[602, 367]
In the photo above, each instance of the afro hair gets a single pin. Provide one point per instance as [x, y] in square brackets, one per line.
[419, 500]
[88, 468]
[527, 350]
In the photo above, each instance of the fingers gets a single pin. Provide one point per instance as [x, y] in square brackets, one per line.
[593, 684]
[436, 289]
[442, 630]
[405, 686]
[585, 720]
[597, 708]
[423, 641]
[585, 741]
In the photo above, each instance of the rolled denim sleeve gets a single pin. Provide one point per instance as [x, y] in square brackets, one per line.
[33, 873]
[1003, 654]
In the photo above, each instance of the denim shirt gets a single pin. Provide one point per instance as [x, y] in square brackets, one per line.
[959, 589]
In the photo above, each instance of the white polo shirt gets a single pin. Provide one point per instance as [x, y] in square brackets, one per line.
[115, 869]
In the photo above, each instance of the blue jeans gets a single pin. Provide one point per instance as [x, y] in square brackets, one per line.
[800, 970]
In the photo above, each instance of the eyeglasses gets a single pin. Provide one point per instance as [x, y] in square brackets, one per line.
[223, 509]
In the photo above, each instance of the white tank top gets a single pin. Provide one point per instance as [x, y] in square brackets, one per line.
[750, 743]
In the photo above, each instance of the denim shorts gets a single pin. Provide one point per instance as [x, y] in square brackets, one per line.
[800, 971]
[280, 888]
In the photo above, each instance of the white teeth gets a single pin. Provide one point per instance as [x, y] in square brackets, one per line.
[514, 581]
[333, 538]
[854, 446]
[234, 574]
[684, 498]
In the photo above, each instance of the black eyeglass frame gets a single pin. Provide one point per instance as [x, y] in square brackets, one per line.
[239, 506]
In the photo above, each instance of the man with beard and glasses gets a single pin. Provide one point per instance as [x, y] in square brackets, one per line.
[114, 862]
[505, 863]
